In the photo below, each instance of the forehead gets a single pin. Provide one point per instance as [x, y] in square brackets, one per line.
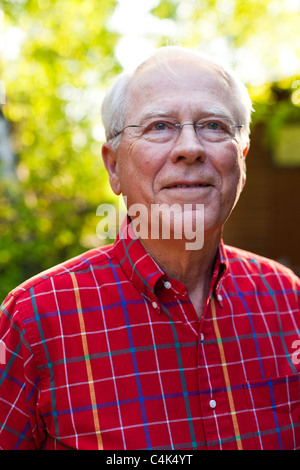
[179, 85]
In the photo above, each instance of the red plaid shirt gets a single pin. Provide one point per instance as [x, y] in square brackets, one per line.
[106, 352]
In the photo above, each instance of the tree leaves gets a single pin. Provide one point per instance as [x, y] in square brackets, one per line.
[48, 213]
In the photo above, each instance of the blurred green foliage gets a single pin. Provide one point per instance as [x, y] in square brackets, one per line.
[54, 88]
[53, 100]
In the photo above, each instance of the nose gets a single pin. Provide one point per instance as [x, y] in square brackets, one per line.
[188, 146]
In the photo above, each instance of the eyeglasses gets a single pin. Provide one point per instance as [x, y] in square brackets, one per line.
[216, 130]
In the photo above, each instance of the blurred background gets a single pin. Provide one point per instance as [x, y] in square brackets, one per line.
[56, 60]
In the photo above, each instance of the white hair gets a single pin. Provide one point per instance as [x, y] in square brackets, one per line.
[115, 103]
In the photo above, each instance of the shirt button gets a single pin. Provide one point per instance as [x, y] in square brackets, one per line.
[202, 337]
[167, 285]
[154, 305]
[220, 297]
[212, 404]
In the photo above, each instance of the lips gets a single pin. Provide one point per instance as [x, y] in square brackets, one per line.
[187, 185]
[196, 185]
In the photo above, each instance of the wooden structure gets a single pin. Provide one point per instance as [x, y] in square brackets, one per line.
[266, 219]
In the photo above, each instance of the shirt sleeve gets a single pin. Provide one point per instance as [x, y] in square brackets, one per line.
[19, 384]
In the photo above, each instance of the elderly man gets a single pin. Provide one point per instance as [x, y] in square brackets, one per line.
[153, 342]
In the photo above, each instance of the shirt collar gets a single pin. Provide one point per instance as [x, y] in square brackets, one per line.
[142, 270]
[138, 265]
[220, 269]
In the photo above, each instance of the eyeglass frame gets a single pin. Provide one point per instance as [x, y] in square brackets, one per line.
[177, 125]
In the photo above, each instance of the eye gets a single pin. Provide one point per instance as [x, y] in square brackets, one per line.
[159, 126]
[213, 126]
[217, 127]
[160, 131]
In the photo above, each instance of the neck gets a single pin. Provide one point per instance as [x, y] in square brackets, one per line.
[193, 268]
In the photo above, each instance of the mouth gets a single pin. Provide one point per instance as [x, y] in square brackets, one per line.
[187, 185]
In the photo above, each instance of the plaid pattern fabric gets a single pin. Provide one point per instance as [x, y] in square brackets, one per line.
[106, 352]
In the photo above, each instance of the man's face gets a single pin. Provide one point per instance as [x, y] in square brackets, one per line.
[187, 169]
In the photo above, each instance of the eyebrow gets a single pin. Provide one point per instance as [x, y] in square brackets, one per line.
[219, 112]
[213, 112]
[155, 113]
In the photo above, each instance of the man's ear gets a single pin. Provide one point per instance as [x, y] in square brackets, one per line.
[110, 162]
[244, 155]
[246, 149]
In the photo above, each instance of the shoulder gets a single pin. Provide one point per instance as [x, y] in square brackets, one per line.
[242, 262]
[82, 263]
